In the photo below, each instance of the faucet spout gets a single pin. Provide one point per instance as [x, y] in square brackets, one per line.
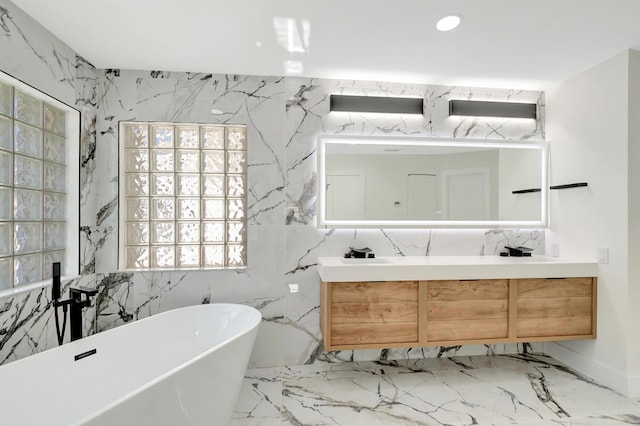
[77, 305]
[77, 292]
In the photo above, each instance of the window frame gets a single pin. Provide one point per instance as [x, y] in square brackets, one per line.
[122, 197]
[71, 262]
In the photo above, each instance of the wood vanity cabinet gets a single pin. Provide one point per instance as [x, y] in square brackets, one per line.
[466, 310]
[370, 313]
[551, 308]
[361, 315]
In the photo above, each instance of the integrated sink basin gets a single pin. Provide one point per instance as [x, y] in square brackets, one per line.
[414, 268]
[366, 260]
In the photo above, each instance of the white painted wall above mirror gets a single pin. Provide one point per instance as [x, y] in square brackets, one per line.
[415, 182]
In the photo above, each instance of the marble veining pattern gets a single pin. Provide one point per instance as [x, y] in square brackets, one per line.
[283, 117]
[485, 390]
[307, 116]
[33, 55]
[307, 113]
[27, 324]
[303, 340]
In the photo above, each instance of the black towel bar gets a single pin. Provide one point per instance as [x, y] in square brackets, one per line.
[569, 185]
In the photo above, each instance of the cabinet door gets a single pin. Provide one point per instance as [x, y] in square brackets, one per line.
[374, 313]
[466, 310]
[555, 308]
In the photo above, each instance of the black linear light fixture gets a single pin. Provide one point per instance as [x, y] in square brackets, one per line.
[492, 109]
[380, 104]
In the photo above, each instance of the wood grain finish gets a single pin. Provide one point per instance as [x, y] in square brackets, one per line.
[371, 313]
[356, 334]
[388, 291]
[378, 312]
[443, 331]
[463, 310]
[558, 326]
[325, 311]
[367, 315]
[513, 310]
[551, 288]
[423, 317]
[552, 307]
[468, 290]
[468, 309]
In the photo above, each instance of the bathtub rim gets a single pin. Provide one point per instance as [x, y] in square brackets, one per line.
[253, 311]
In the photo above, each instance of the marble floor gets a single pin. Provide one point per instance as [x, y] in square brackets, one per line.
[486, 390]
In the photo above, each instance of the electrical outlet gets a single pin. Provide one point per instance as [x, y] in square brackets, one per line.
[603, 255]
[554, 249]
[293, 288]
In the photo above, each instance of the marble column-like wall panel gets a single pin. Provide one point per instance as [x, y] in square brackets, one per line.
[130, 96]
[33, 55]
[308, 117]
[184, 97]
[87, 102]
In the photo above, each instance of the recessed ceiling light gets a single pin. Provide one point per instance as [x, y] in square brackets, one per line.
[258, 43]
[449, 22]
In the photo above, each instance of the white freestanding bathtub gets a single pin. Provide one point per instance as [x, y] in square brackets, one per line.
[181, 367]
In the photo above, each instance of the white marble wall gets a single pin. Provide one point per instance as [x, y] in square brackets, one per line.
[31, 54]
[308, 116]
[284, 116]
[164, 96]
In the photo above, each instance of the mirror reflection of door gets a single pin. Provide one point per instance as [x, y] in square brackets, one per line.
[465, 194]
[345, 197]
[422, 197]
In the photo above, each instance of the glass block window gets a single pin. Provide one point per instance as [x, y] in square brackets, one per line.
[183, 196]
[33, 186]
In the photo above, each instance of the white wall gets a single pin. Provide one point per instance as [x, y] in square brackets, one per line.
[634, 221]
[588, 126]
[519, 169]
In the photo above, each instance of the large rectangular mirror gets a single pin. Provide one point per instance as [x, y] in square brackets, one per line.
[405, 182]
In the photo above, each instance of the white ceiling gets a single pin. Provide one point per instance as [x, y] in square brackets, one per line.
[529, 44]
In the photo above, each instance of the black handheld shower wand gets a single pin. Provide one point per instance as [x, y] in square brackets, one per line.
[55, 289]
[55, 297]
[75, 301]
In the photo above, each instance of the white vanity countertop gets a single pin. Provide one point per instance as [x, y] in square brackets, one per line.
[410, 268]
